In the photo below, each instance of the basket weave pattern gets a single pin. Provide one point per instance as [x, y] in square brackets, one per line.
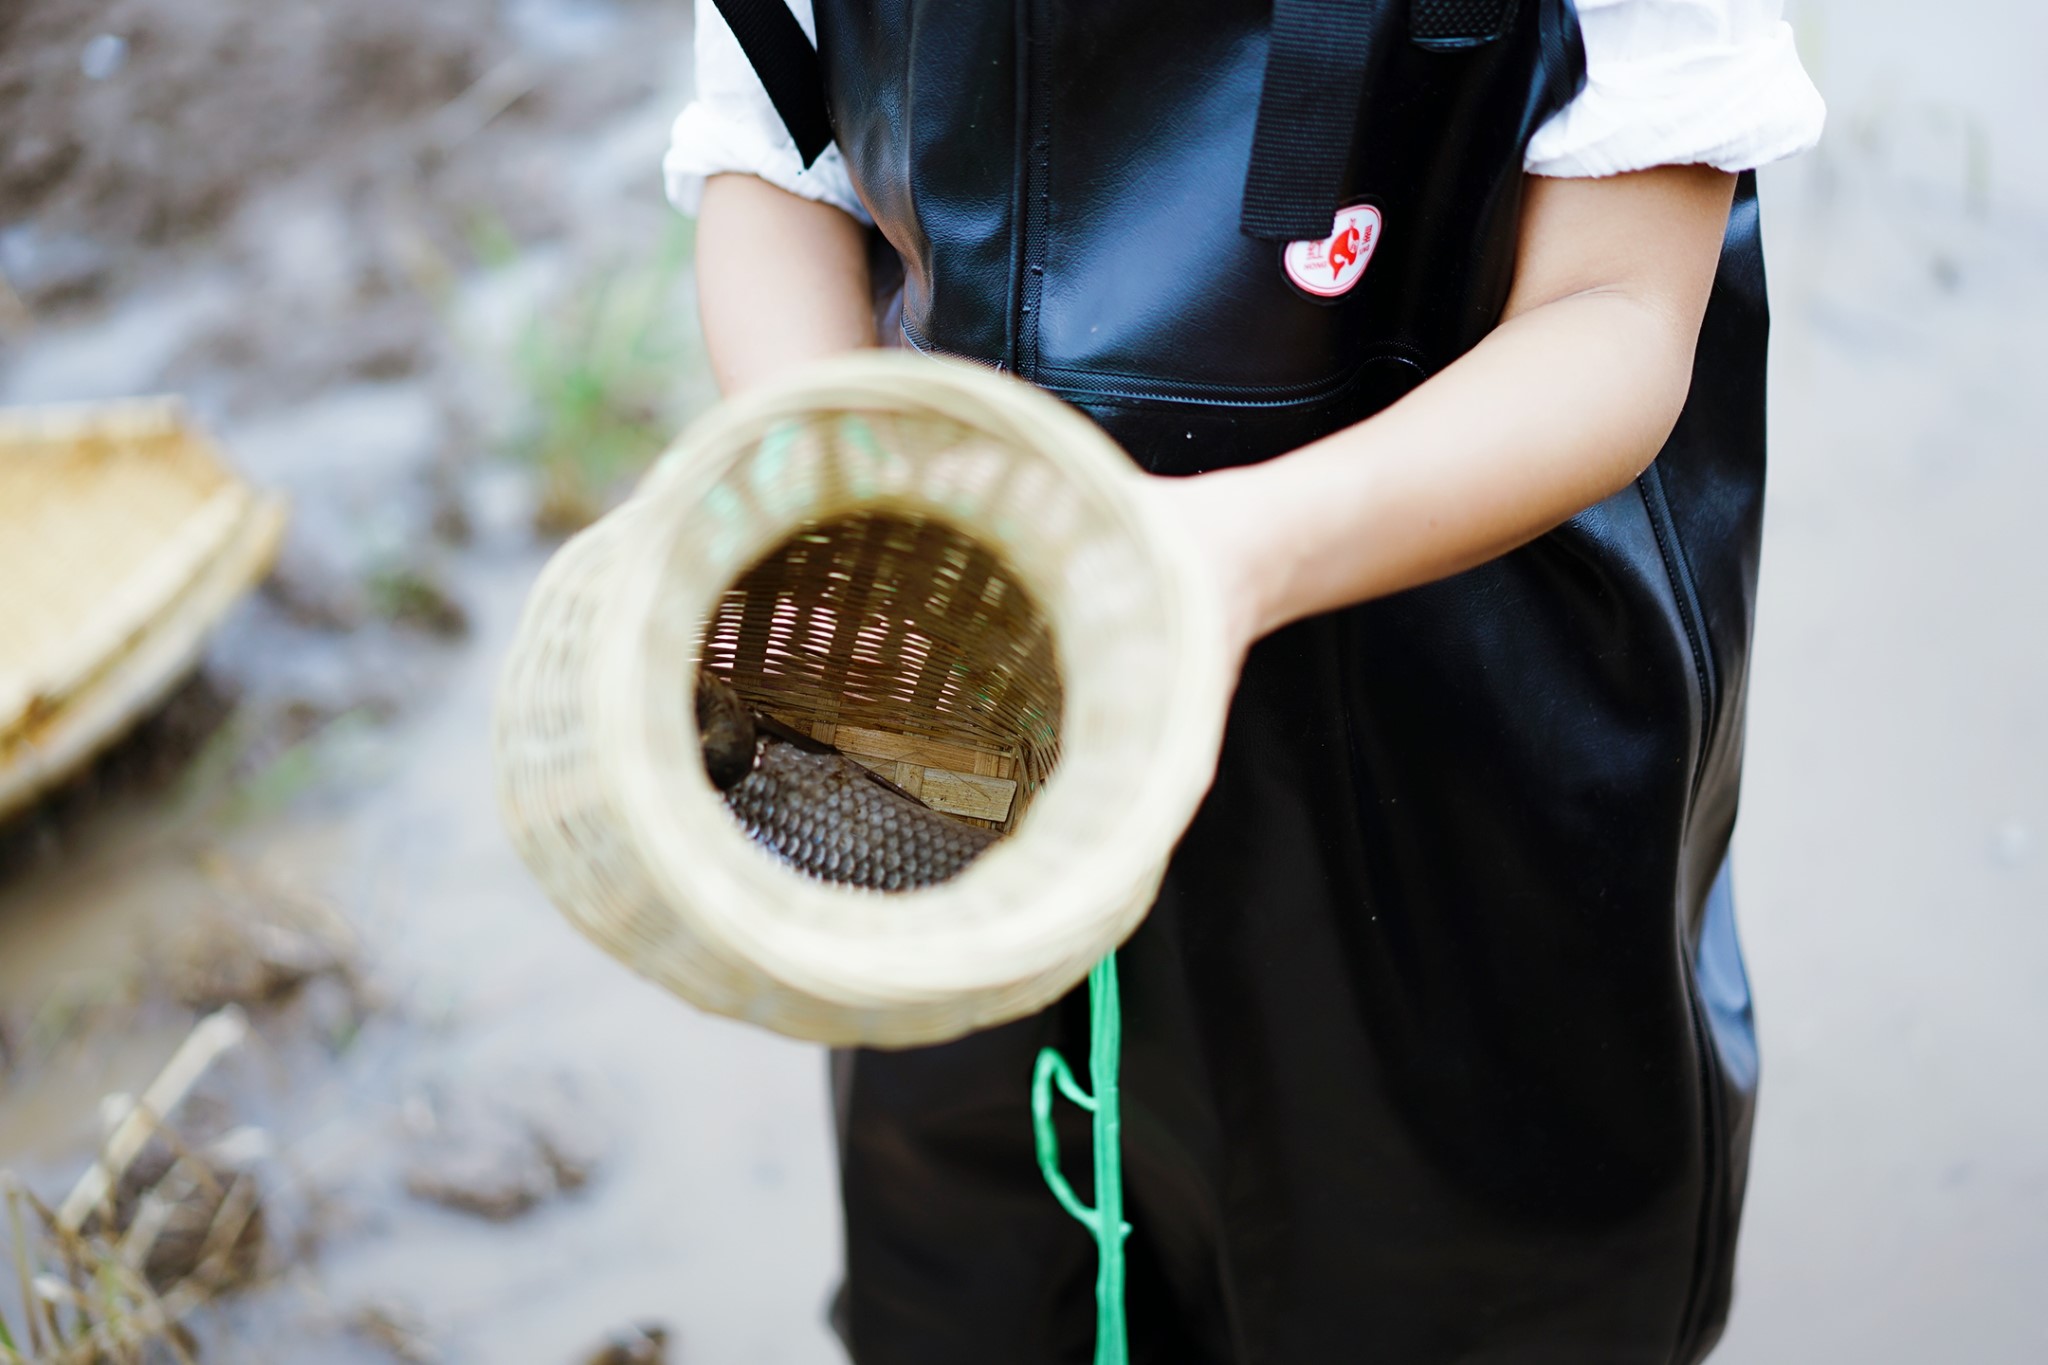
[901, 624]
[899, 546]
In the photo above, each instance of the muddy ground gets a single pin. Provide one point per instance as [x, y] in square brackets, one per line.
[389, 251]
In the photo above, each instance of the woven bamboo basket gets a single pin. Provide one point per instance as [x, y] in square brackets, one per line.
[124, 538]
[948, 575]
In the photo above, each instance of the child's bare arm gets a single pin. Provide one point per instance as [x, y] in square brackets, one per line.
[1559, 406]
[780, 280]
[1562, 404]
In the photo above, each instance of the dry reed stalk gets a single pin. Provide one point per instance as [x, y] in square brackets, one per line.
[21, 1265]
[99, 1280]
[212, 1036]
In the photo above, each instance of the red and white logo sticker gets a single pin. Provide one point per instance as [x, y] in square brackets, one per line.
[1329, 267]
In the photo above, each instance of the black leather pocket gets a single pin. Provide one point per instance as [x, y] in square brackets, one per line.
[1458, 23]
[1169, 432]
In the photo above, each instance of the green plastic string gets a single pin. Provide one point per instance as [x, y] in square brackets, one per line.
[1105, 1222]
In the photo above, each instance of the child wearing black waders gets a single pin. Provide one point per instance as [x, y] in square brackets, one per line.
[1443, 323]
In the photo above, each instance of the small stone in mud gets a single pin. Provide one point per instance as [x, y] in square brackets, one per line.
[51, 271]
[224, 958]
[570, 1141]
[498, 1159]
[641, 1343]
[396, 1329]
[333, 1009]
[451, 523]
[493, 1169]
[314, 595]
[411, 596]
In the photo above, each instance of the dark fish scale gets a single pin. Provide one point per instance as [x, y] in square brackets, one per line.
[826, 816]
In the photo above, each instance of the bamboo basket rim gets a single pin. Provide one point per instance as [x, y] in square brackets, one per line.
[868, 383]
[858, 964]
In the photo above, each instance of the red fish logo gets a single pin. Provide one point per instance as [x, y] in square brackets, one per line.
[1343, 251]
[1330, 266]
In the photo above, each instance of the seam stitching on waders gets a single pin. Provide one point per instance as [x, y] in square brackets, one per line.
[1038, 190]
[915, 338]
[1678, 574]
[1020, 184]
[1094, 385]
[1706, 1240]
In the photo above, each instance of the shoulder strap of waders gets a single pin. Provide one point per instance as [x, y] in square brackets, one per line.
[1319, 55]
[788, 67]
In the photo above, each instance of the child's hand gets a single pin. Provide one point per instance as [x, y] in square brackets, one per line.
[1207, 510]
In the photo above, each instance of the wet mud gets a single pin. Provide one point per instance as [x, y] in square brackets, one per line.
[379, 250]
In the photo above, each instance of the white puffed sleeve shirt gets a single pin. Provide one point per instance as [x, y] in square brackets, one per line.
[1668, 83]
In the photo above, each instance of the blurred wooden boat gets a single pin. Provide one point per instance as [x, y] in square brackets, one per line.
[124, 539]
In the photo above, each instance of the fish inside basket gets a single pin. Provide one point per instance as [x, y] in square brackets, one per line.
[901, 641]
